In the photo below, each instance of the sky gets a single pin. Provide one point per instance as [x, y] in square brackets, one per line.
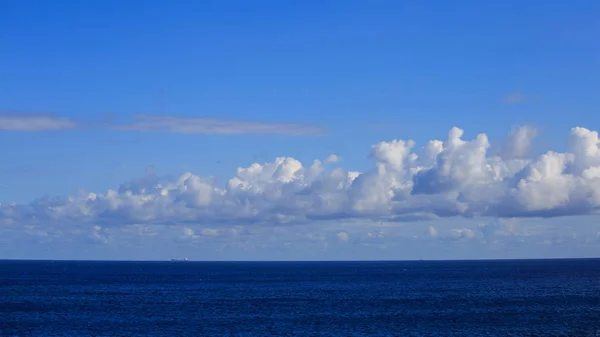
[299, 130]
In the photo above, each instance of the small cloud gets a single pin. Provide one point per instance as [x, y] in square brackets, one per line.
[342, 236]
[99, 235]
[188, 232]
[462, 233]
[432, 231]
[190, 125]
[514, 98]
[33, 123]
[333, 159]
[375, 235]
[553, 242]
[209, 232]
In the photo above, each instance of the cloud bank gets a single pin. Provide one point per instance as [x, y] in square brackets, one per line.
[450, 178]
[157, 123]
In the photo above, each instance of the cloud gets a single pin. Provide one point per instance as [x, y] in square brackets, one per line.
[31, 123]
[333, 159]
[514, 98]
[442, 179]
[189, 233]
[462, 233]
[156, 123]
[99, 235]
[342, 236]
[519, 142]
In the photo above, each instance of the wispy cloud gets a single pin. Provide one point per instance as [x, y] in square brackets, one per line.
[515, 98]
[158, 123]
[35, 123]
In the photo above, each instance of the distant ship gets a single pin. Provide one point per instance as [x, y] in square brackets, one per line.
[179, 260]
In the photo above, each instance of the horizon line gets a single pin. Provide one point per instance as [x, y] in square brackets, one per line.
[308, 261]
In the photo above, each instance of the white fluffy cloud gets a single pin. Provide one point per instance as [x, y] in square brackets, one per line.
[454, 177]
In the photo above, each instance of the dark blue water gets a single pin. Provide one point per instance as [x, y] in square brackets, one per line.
[476, 298]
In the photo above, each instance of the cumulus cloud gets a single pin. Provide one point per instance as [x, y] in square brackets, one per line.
[32, 123]
[157, 123]
[455, 177]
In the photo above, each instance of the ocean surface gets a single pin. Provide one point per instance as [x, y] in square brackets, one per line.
[420, 298]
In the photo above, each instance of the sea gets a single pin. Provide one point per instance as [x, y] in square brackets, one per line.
[417, 298]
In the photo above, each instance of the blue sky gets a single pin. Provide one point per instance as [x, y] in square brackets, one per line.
[340, 76]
